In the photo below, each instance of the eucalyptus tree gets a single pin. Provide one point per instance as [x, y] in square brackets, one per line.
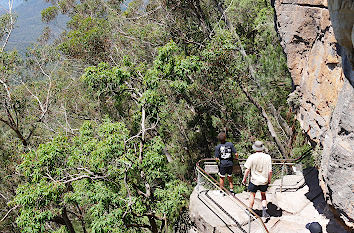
[113, 177]
[97, 182]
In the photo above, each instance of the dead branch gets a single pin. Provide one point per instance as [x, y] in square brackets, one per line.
[8, 212]
[3, 196]
[85, 176]
[11, 26]
[7, 89]
[71, 178]
[168, 155]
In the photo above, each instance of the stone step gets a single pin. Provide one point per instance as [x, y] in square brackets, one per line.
[205, 211]
[288, 182]
[290, 210]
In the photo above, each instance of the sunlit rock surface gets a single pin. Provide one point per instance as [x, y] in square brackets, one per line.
[313, 60]
[317, 37]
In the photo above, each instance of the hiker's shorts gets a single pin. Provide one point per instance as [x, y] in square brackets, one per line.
[254, 188]
[225, 170]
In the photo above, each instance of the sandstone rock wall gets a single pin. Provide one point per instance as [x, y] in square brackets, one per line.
[342, 18]
[337, 165]
[313, 60]
[317, 37]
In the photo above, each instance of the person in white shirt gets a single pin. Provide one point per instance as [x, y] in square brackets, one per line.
[259, 165]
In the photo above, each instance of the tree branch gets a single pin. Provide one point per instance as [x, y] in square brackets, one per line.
[7, 89]
[269, 123]
[282, 123]
[138, 225]
[8, 212]
[3, 196]
[68, 224]
[254, 78]
[81, 218]
[11, 26]
[241, 47]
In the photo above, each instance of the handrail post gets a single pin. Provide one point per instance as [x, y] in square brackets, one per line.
[203, 177]
[198, 179]
[249, 222]
[282, 177]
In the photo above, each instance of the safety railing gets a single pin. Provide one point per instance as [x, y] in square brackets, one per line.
[207, 182]
[285, 168]
[281, 170]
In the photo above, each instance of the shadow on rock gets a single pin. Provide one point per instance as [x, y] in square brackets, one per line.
[273, 210]
[315, 195]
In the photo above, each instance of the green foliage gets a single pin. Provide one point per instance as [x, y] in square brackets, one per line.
[168, 76]
[174, 190]
[96, 173]
[87, 40]
[9, 63]
[108, 84]
[49, 13]
[23, 103]
[105, 80]
[7, 21]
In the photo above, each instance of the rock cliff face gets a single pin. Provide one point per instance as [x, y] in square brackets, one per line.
[317, 37]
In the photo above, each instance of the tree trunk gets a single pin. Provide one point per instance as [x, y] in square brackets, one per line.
[68, 224]
[253, 75]
[282, 123]
[153, 225]
[269, 123]
[242, 49]
[18, 133]
[142, 142]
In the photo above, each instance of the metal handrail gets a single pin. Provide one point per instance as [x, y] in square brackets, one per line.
[295, 160]
[217, 185]
[282, 162]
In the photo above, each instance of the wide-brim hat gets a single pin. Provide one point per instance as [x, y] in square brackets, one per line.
[258, 146]
[314, 227]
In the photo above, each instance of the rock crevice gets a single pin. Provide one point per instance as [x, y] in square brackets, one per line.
[305, 5]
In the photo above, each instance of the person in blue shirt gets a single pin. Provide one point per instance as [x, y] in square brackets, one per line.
[225, 152]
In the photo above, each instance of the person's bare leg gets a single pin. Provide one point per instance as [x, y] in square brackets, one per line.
[230, 182]
[251, 200]
[222, 181]
[264, 205]
[264, 199]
